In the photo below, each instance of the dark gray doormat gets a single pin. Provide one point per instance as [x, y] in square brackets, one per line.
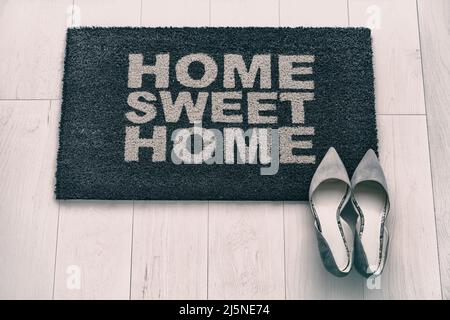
[166, 113]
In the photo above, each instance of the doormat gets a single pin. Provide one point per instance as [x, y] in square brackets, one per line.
[211, 113]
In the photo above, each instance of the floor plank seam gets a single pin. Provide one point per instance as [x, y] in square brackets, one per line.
[72, 19]
[209, 13]
[140, 14]
[279, 13]
[348, 13]
[429, 151]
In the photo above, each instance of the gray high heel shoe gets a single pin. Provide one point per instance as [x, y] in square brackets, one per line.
[370, 198]
[329, 192]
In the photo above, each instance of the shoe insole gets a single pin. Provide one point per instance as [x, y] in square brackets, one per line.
[371, 199]
[326, 200]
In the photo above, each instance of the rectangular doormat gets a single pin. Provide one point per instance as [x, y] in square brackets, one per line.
[211, 113]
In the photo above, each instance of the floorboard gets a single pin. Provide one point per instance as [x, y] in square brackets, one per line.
[170, 247]
[175, 13]
[94, 250]
[32, 36]
[396, 53]
[434, 21]
[306, 278]
[28, 210]
[246, 250]
[317, 13]
[96, 236]
[412, 270]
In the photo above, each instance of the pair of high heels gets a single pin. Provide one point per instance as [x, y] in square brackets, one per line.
[330, 191]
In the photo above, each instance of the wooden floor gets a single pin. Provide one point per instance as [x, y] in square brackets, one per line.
[219, 250]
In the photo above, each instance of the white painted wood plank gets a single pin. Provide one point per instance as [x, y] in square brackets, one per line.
[313, 13]
[434, 21]
[246, 249]
[246, 253]
[398, 73]
[175, 13]
[412, 269]
[94, 243]
[306, 278]
[96, 235]
[170, 238]
[258, 13]
[170, 250]
[28, 210]
[32, 37]
[107, 13]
